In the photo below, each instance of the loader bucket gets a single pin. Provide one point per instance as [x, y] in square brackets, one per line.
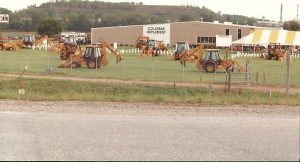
[119, 58]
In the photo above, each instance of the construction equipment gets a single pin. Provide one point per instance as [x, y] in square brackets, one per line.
[153, 48]
[211, 61]
[161, 46]
[94, 56]
[180, 48]
[10, 46]
[150, 48]
[29, 41]
[141, 42]
[275, 52]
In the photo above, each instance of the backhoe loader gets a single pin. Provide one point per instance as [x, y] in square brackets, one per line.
[93, 56]
[211, 62]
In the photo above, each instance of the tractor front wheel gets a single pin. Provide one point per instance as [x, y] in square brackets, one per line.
[210, 68]
[92, 64]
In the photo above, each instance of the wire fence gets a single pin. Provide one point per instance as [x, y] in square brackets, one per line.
[161, 68]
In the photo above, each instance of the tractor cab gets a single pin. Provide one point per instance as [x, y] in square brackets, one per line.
[93, 56]
[181, 46]
[142, 41]
[212, 55]
[29, 40]
[211, 60]
[151, 43]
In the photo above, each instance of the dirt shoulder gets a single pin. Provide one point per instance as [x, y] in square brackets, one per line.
[258, 88]
[151, 109]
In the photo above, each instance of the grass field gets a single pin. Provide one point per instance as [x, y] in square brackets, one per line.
[134, 67]
[52, 90]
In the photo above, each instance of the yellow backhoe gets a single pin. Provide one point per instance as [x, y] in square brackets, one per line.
[211, 62]
[93, 56]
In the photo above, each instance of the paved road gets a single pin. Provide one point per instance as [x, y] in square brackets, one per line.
[88, 136]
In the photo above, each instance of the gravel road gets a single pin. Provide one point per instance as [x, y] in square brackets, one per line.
[146, 131]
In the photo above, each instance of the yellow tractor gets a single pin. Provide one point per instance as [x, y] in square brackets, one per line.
[9, 46]
[180, 48]
[211, 62]
[28, 41]
[141, 42]
[93, 56]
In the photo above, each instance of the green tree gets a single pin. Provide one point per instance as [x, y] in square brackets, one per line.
[50, 27]
[185, 17]
[291, 25]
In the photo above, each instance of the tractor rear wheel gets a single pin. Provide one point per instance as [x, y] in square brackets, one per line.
[210, 67]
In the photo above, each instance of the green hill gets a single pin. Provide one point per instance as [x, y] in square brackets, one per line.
[80, 15]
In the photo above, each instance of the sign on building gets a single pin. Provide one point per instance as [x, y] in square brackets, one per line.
[4, 18]
[159, 32]
[223, 40]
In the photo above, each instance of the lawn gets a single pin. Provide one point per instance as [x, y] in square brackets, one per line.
[53, 90]
[133, 67]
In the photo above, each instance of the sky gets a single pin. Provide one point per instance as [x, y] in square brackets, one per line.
[270, 9]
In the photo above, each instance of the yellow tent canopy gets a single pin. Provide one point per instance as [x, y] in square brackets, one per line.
[264, 37]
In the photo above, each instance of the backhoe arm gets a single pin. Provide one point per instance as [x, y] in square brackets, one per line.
[188, 55]
[116, 52]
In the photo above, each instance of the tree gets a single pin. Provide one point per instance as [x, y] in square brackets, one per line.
[291, 25]
[49, 26]
[185, 17]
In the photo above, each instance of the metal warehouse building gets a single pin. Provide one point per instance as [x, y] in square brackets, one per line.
[193, 32]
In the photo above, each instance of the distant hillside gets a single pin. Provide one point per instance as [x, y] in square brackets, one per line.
[80, 15]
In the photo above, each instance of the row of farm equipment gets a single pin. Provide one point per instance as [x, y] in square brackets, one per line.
[95, 56]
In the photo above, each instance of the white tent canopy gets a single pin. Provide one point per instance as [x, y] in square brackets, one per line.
[265, 37]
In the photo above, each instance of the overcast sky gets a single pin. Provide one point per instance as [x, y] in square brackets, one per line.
[256, 8]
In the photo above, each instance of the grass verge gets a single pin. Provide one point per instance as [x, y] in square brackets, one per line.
[52, 90]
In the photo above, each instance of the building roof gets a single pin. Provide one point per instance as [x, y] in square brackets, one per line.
[212, 23]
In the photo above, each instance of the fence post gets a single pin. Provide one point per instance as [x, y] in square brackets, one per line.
[256, 79]
[248, 77]
[96, 64]
[288, 72]
[71, 63]
[215, 73]
[229, 79]
[174, 87]
[209, 89]
[152, 67]
[264, 78]
[48, 61]
[123, 71]
[183, 66]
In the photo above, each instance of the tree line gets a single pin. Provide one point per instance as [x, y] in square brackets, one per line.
[82, 15]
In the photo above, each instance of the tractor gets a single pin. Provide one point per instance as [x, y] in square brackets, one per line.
[153, 48]
[150, 48]
[29, 41]
[180, 47]
[141, 42]
[8, 46]
[94, 56]
[275, 52]
[211, 62]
